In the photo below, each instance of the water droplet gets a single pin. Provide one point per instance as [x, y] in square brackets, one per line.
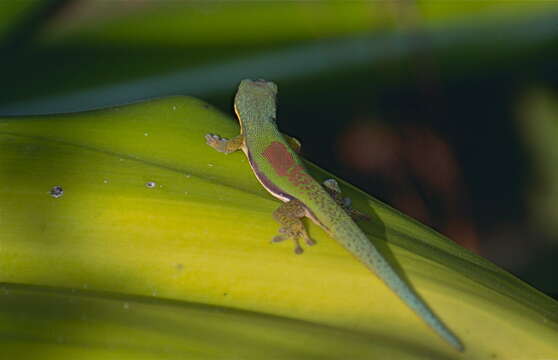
[105, 181]
[126, 306]
[56, 191]
[151, 184]
[174, 107]
[145, 134]
[210, 165]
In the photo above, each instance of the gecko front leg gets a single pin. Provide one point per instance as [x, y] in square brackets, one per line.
[224, 145]
[332, 187]
[293, 142]
[289, 215]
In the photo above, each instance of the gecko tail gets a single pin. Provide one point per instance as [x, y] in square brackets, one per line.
[354, 240]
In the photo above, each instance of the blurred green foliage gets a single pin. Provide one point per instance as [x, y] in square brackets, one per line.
[12, 14]
[538, 123]
[208, 46]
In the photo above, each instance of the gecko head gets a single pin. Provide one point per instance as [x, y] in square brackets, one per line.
[259, 85]
[256, 96]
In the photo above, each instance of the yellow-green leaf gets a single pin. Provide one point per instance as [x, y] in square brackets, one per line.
[169, 245]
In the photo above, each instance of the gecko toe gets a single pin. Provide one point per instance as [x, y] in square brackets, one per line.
[278, 238]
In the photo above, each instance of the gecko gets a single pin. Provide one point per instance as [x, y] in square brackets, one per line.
[275, 163]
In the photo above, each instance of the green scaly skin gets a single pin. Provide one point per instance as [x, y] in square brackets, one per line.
[281, 172]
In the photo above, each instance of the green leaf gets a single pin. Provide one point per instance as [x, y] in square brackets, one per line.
[169, 245]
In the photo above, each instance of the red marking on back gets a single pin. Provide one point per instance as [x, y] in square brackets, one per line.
[298, 176]
[284, 165]
[279, 158]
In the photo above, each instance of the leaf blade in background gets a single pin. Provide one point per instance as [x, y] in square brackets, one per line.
[203, 49]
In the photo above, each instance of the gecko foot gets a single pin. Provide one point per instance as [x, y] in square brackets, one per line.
[279, 238]
[222, 144]
[289, 215]
[332, 187]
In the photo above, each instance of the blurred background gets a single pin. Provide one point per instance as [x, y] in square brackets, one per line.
[446, 110]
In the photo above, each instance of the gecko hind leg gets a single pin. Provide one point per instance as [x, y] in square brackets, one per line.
[289, 215]
[332, 187]
[224, 145]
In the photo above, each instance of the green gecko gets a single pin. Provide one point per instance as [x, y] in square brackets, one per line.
[280, 171]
